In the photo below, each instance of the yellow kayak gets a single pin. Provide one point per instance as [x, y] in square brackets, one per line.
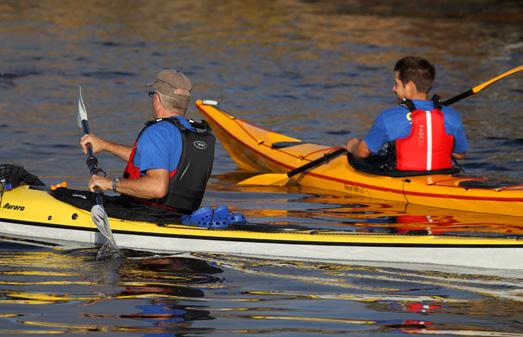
[257, 149]
[34, 213]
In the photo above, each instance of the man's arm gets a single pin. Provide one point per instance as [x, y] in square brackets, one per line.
[358, 148]
[457, 130]
[154, 184]
[121, 151]
[375, 138]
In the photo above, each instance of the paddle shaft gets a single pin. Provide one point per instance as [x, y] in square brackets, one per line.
[458, 97]
[92, 163]
[316, 162]
[481, 86]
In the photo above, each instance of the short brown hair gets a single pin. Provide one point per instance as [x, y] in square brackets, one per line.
[175, 102]
[418, 70]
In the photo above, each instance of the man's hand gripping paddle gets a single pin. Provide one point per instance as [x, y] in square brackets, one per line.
[98, 214]
[281, 179]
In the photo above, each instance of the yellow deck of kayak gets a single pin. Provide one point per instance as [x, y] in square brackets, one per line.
[250, 146]
[24, 205]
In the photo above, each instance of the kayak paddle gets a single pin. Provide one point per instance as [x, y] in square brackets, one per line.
[98, 214]
[281, 179]
[482, 86]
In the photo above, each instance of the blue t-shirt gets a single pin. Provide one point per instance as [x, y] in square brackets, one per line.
[160, 146]
[393, 123]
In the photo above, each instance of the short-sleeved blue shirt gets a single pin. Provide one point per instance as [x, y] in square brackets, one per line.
[160, 146]
[393, 124]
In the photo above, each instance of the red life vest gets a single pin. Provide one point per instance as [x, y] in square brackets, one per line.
[428, 146]
[131, 171]
[187, 183]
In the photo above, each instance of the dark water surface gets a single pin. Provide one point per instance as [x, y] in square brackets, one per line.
[316, 70]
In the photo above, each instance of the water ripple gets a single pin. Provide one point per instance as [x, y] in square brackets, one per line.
[317, 70]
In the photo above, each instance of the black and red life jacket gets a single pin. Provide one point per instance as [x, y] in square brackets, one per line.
[428, 147]
[188, 180]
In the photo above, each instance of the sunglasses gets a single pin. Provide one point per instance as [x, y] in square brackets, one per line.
[151, 93]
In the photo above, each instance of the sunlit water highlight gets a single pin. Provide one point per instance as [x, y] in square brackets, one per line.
[319, 71]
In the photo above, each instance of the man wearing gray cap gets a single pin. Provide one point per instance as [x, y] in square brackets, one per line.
[172, 158]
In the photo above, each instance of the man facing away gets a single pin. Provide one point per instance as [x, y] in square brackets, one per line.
[171, 160]
[426, 135]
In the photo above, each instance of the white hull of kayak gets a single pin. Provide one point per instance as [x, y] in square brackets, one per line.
[449, 255]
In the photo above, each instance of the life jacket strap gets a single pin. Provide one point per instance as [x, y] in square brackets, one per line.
[408, 104]
[436, 99]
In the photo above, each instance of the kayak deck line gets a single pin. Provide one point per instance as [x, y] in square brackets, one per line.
[429, 190]
[349, 238]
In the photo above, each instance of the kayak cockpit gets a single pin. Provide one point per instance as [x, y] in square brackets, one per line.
[377, 165]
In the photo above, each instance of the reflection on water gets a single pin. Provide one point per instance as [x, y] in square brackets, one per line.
[141, 294]
[314, 209]
[286, 64]
[49, 291]
[316, 70]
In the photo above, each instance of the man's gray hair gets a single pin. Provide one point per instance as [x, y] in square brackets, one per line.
[179, 103]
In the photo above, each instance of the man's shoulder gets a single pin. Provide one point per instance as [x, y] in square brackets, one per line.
[450, 110]
[176, 121]
[393, 113]
[452, 116]
[160, 131]
[162, 126]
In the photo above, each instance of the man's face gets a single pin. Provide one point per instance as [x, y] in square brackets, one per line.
[399, 89]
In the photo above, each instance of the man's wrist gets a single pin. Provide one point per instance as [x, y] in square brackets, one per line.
[354, 145]
[116, 181]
